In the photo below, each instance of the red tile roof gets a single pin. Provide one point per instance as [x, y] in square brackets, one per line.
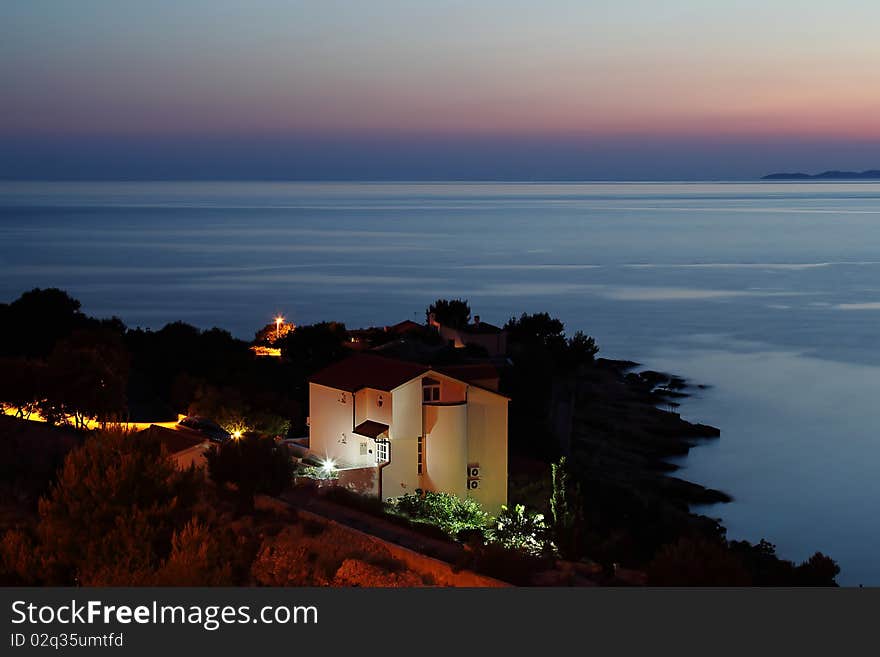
[368, 371]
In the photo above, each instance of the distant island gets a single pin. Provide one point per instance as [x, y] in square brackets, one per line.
[872, 174]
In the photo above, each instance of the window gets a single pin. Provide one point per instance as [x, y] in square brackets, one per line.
[364, 448]
[381, 451]
[421, 454]
[431, 391]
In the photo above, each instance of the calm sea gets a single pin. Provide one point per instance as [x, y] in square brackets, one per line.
[768, 293]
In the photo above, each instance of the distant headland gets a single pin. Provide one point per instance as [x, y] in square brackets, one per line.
[872, 174]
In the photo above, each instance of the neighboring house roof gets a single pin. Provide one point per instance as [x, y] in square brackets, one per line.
[404, 327]
[481, 327]
[412, 350]
[174, 440]
[370, 371]
[371, 429]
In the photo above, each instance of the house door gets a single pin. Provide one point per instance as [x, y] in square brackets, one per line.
[381, 451]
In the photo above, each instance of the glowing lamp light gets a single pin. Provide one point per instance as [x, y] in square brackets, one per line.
[236, 435]
[328, 466]
[279, 320]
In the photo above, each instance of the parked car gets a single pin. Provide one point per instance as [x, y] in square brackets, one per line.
[213, 431]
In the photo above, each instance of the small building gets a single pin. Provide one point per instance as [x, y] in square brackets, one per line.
[369, 338]
[405, 426]
[478, 333]
[185, 447]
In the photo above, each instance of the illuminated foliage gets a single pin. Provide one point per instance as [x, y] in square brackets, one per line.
[449, 512]
[566, 510]
[518, 529]
[272, 332]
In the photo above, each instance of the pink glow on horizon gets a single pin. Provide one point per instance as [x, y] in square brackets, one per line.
[595, 70]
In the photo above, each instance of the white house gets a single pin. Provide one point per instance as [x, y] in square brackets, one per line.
[492, 338]
[400, 426]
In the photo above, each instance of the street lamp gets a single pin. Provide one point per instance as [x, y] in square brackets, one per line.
[278, 322]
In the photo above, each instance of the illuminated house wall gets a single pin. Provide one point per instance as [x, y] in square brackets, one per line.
[462, 430]
[331, 424]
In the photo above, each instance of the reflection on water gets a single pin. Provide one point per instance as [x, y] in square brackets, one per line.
[788, 273]
[799, 450]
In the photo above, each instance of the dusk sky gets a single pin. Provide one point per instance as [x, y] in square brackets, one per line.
[502, 89]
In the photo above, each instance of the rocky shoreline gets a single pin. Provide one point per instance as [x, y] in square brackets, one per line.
[618, 428]
[642, 408]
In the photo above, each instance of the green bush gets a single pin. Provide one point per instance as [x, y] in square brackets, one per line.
[518, 529]
[315, 472]
[449, 512]
[513, 566]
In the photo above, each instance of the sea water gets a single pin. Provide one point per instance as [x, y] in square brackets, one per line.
[768, 293]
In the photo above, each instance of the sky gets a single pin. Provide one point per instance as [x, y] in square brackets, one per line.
[491, 89]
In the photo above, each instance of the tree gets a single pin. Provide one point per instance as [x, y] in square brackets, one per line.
[32, 324]
[197, 559]
[110, 517]
[454, 313]
[224, 406]
[311, 348]
[818, 570]
[536, 331]
[581, 349]
[22, 384]
[88, 375]
[272, 332]
[566, 509]
[253, 464]
[540, 334]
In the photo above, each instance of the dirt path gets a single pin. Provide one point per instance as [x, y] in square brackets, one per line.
[310, 500]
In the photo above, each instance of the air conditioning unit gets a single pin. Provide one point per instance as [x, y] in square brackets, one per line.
[473, 484]
[473, 470]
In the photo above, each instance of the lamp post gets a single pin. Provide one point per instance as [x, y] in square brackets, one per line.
[278, 322]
